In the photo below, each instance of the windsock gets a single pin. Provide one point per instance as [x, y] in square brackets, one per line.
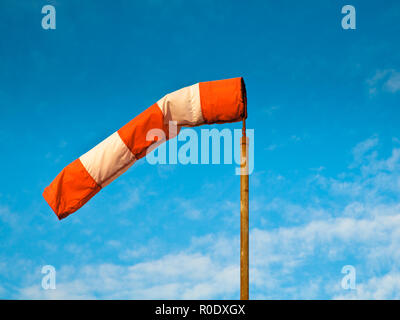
[202, 103]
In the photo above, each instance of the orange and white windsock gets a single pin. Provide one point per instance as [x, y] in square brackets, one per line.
[202, 103]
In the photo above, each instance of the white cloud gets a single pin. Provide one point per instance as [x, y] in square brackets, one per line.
[270, 110]
[188, 208]
[302, 260]
[212, 270]
[393, 83]
[178, 276]
[372, 178]
[387, 80]
[271, 147]
[362, 149]
[131, 199]
[377, 288]
[8, 217]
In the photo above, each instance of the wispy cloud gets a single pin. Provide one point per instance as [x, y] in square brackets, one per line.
[300, 259]
[179, 276]
[384, 80]
[269, 111]
[385, 287]
[277, 257]
[361, 150]
[393, 83]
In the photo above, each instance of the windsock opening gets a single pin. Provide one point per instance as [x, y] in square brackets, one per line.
[223, 100]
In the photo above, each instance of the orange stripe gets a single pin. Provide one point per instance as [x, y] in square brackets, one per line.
[70, 190]
[133, 134]
[223, 100]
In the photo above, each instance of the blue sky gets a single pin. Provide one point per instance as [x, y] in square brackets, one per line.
[324, 106]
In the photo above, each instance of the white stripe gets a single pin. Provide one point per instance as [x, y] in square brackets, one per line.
[108, 160]
[182, 106]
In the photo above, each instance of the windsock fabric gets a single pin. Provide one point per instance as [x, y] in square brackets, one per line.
[202, 103]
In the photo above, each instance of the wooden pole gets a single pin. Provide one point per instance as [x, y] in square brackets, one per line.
[244, 216]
